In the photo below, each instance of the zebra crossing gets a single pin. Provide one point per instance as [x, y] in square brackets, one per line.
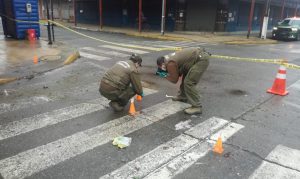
[108, 52]
[166, 160]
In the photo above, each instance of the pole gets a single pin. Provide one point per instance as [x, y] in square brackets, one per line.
[52, 18]
[74, 9]
[101, 14]
[48, 26]
[295, 13]
[140, 15]
[250, 18]
[163, 17]
[282, 10]
[266, 20]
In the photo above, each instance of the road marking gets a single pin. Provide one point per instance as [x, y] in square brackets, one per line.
[93, 57]
[15, 128]
[23, 103]
[148, 162]
[285, 157]
[35, 160]
[292, 104]
[188, 158]
[272, 171]
[111, 53]
[143, 165]
[124, 49]
[208, 127]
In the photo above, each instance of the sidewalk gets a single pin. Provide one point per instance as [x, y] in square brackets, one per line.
[207, 37]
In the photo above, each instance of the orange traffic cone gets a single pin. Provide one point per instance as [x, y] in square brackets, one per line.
[35, 59]
[139, 98]
[218, 148]
[132, 107]
[279, 83]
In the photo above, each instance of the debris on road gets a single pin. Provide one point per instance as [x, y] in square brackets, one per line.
[122, 141]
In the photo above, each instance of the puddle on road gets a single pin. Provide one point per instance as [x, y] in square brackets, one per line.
[16, 53]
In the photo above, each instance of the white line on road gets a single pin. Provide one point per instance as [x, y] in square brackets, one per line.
[23, 103]
[143, 165]
[272, 171]
[93, 57]
[285, 157]
[188, 158]
[148, 162]
[50, 118]
[111, 53]
[124, 49]
[35, 160]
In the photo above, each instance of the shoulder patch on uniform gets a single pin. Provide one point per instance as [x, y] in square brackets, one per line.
[123, 64]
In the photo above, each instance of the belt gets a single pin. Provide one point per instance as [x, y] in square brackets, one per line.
[106, 85]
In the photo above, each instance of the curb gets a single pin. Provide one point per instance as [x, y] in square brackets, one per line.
[160, 37]
[236, 42]
[71, 58]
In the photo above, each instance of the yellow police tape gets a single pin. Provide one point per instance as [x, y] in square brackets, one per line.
[274, 61]
[44, 22]
[260, 60]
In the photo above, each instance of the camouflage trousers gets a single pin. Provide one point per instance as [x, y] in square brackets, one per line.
[120, 96]
[190, 81]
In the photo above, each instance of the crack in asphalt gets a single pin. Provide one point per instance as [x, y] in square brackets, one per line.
[260, 157]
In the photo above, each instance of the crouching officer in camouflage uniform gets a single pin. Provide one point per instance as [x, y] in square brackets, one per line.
[190, 63]
[122, 82]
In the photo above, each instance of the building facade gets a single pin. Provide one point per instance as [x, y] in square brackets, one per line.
[181, 15]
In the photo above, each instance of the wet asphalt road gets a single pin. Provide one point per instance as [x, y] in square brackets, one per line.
[232, 90]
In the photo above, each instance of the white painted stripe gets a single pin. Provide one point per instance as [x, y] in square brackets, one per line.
[281, 76]
[124, 49]
[206, 128]
[272, 171]
[294, 51]
[93, 57]
[35, 160]
[285, 156]
[226, 133]
[143, 165]
[188, 158]
[292, 104]
[111, 53]
[50, 118]
[23, 103]
[165, 152]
